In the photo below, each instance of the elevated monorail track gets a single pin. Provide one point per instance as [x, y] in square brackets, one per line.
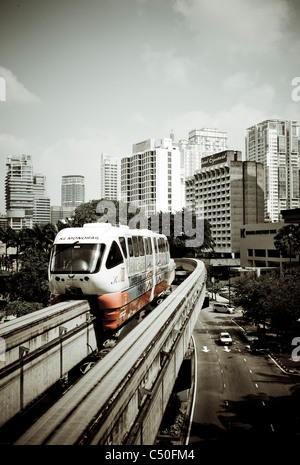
[122, 398]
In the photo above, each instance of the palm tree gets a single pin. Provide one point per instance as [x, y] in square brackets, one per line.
[44, 236]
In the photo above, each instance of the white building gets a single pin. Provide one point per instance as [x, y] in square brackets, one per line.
[19, 192]
[110, 177]
[41, 203]
[201, 143]
[151, 176]
[72, 191]
[275, 143]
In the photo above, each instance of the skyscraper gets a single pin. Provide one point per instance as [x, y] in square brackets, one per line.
[110, 178]
[25, 194]
[201, 143]
[41, 203]
[228, 192]
[275, 143]
[72, 191]
[151, 176]
[19, 192]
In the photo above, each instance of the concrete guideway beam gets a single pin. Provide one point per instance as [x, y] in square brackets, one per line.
[114, 402]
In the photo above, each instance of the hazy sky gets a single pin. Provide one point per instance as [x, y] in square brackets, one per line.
[90, 76]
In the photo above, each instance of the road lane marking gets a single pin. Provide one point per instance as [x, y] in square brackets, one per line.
[256, 385]
[205, 349]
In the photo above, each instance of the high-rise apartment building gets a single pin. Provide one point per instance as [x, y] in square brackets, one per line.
[275, 143]
[72, 191]
[110, 177]
[41, 203]
[201, 143]
[25, 194]
[151, 176]
[19, 192]
[228, 192]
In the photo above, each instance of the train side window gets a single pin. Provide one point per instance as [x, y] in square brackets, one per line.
[155, 245]
[146, 246]
[135, 246]
[141, 246]
[149, 248]
[114, 256]
[150, 245]
[160, 244]
[130, 246]
[123, 245]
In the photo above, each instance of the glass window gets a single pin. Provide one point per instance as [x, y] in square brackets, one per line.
[123, 245]
[141, 246]
[130, 247]
[77, 258]
[135, 246]
[149, 246]
[114, 257]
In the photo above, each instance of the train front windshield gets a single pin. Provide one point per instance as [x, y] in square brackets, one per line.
[76, 258]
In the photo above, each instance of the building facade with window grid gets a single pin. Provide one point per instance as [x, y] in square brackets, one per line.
[275, 143]
[151, 176]
[19, 197]
[228, 192]
[201, 143]
[109, 177]
[72, 191]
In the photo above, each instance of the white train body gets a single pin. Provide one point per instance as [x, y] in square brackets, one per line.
[123, 269]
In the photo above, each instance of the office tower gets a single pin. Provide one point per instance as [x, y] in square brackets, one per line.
[201, 143]
[41, 203]
[19, 192]
[275, 144]
[72, 191]
[151, 176]
[228, 192]
[110, 178]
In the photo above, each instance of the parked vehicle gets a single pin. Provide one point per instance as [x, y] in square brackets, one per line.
[250, 335]
[223, 308]
[225, 338]
[258, 350]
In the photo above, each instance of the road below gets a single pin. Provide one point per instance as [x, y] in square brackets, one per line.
[239, 394]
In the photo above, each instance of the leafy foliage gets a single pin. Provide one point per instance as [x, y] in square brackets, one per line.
[270, 299]
[288, 239]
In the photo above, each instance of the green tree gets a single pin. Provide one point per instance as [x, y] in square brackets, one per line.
[30, 283]
[270, 298]
[20, 308]
[287, 240]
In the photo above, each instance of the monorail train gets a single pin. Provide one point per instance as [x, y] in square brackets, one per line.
[121, 268]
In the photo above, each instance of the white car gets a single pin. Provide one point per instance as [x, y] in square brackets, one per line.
[225, 338]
